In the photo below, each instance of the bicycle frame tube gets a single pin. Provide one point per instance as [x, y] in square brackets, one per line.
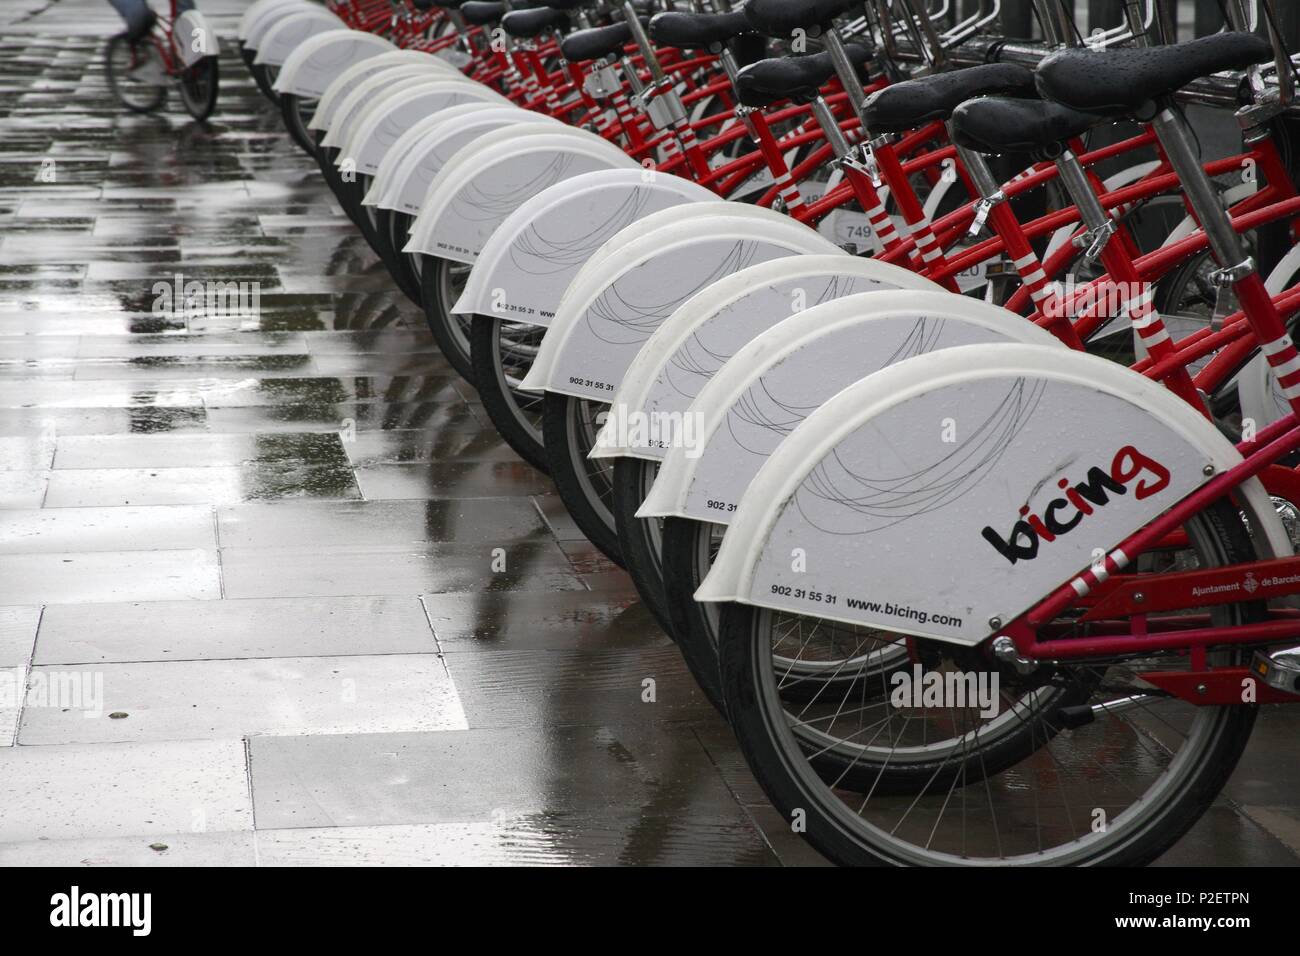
[1262, 318]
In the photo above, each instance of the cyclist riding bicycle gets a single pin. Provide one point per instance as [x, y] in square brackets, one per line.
[158, 49]
[140, 18]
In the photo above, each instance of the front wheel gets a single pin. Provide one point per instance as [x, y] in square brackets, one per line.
[199, 84]
[136, 73]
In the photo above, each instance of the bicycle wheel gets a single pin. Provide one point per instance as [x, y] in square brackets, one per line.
[199, 85]
[351, 190]
[406, 265]
[831, 666]
[297, 112]
[1136, 771]
[689, 548]
[368, 219]
[586, 486]
[441, 284]
[640, 540]
[393, 259]
[136, 73]
[264, 76]
[502, 353]
[325, 157]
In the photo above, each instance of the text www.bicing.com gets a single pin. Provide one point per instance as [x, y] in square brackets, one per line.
[903, 612]
[1203, 923]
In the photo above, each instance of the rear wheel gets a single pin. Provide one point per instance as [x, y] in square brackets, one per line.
[1136, 769]
[640, 540]
[441, 284]
[811, 664]
[297, 112]
[689, 548]
[199, 86]
[394, 260]
[136, 73]
[502, 353]
[406, 265]
[264, 76]
[325, 156]
[586, 485]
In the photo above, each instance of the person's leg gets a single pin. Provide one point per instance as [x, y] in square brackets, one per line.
[138, 16]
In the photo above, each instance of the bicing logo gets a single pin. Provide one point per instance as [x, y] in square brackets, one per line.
[1129, 468]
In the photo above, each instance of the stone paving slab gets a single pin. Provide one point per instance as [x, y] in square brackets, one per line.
[90, 792]
[219, 699]
[225, 630]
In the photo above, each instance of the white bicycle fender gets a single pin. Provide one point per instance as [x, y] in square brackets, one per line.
[596, 335]
[772, 384]
[340, 86]
[375, 87]
[269, 15]
[482, 184]
[697, 340]
[309, 70]
[865, 514]
[672, 219]
[532, 257]
[384, 120]
[284, 36]
[194, 37]
[257, 10]
[420, 152]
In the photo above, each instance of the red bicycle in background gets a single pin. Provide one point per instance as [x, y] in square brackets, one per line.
[180, 49]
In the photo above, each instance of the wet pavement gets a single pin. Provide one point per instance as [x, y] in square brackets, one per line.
[323, 614]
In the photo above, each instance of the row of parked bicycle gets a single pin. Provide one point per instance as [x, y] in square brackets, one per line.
[944, 418]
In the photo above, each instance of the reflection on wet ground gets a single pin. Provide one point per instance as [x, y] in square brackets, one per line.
[343, 622]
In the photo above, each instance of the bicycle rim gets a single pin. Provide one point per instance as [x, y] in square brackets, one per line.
[1120, 788]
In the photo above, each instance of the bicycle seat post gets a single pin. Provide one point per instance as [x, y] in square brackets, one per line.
[1176, 138]
[657, 75]
[1236, 268]
[847, 73]
[985, 183]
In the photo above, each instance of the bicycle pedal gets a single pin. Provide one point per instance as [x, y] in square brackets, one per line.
[1279, 669]
[1072, 718]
